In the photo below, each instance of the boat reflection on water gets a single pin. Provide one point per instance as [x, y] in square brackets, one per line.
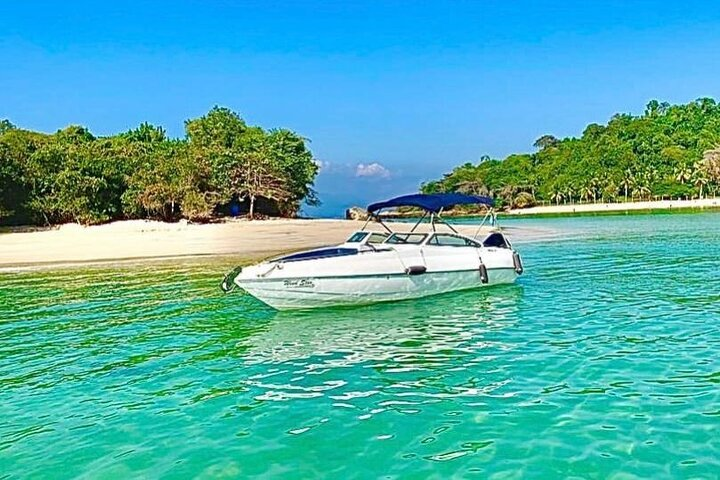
[411, 334]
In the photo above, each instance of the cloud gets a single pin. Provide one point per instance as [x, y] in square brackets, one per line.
[371, 170]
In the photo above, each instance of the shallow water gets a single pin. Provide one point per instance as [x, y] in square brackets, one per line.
[601, 362]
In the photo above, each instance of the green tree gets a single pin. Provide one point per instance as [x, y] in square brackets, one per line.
[609, 192]
[627, 182]
[146, 133]
[77, 178]
[683, 174]
[557, 196]
[16, 149]
[700, 177]
[220, 128]
[260, 177]
[167, 184]
[546, 141]
[295, 164]
[652, 154]
[6, 126]
[73, 175]
[236, 156]
[586, 192]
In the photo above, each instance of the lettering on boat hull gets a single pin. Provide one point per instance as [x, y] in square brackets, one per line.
[299, 283]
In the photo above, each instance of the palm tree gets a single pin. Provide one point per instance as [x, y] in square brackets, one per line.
[700, 177]
[556, 196]
[570, 193]
[508, 192]
[651, 174]
[627, 182]
[586, 192]
[683, 174]
[595, 184]
[608, 193]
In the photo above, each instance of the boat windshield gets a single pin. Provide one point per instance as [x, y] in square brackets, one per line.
[357, 237]
[407, 238]
[372, 237]
[450, 240]
[377, 238]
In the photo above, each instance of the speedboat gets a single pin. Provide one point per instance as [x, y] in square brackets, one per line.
[379, 266]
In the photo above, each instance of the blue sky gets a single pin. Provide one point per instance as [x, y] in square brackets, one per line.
[389, 93]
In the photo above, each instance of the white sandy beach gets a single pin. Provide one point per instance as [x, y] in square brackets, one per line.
[617, 207]
[140, 239]
[246, 240]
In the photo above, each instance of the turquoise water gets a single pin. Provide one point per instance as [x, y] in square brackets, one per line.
[602, 362]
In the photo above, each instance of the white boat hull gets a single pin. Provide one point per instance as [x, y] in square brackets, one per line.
[313, 292]
[358, 274]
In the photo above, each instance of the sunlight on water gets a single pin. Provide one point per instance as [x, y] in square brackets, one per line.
[602, 360]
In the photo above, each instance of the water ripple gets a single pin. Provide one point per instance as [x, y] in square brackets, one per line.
[601, 362]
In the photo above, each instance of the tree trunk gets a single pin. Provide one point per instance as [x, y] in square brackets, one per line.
[251, 212]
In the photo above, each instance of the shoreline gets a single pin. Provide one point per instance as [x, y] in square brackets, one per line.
[73, 245]
[616, 208]
[242, 241]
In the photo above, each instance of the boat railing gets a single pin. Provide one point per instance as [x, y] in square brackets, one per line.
[490, 218]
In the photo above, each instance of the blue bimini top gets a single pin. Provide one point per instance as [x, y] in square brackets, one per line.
[431, 202]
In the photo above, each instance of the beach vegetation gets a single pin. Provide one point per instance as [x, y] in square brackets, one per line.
[668, 152]
[221, 166]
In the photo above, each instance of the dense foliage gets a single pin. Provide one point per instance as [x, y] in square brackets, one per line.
[73, 176]
[670, 151]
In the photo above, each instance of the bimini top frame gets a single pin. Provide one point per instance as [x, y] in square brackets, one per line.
[431, 204]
